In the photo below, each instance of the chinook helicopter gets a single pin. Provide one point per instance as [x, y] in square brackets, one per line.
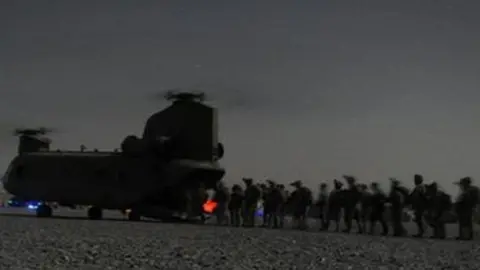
[149, 177]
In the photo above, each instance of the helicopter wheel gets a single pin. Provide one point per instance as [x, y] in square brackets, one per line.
[133, 215]
[95, 213]
[44, 211]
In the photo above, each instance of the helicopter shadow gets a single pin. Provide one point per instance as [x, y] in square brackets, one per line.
[119, 219]
[32, 216]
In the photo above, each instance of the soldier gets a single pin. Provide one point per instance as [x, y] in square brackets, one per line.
[334, 205]
[222, 198]
[235, 205]
[267, 202]
[198, 198]
[351, 200]
[302, 200]
[440, 203]
[365, 205]
[378, 209]
[322, 204]
[252, 195]
[464, 207]
[283, 205]
[397, 199]
[419, 203]
[274, 202]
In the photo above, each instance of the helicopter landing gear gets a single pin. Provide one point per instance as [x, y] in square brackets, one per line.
[95, 213]
[133, 215]
[44, 211]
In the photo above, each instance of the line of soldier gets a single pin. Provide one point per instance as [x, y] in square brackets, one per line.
[359, 203]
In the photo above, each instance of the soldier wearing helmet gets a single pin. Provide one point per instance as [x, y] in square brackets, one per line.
[235, 205]
[274, 201]
[334, 205]
[365, 205]
[253, 195]
[222, 198]
[378, 209]
[465, 205]
[267, 207]
[301, 200]
[322, 203]
[439, 204]
[283, 204]
[418, 201]
[397, 199]
[351, 200]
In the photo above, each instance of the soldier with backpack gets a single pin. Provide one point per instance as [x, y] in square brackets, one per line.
[439, 205]
[397, 201]
[321, 204]
[418, 201]
[465, 205]
[334, 206]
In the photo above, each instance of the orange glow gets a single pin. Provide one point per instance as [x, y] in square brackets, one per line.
[209, 206]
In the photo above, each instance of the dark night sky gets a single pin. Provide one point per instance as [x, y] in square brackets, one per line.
[322, 88]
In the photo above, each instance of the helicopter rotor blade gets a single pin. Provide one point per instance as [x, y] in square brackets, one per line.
[225, 98]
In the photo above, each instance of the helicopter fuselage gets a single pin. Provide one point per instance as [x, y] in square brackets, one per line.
[108, 180]
[177, 153]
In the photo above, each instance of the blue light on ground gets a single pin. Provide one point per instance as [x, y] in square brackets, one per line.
[33, 205]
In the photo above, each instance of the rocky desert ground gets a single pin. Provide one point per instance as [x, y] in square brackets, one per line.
[72, 242]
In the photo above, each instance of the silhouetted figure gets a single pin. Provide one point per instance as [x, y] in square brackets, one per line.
[418, 201]
[222, 198]
[302, 199]
[283, 205]
[439, 204]
[351, 200]
[322, 204]
[274, 201]
[467, 201]
[235, 205]
[397, 198]
[252, 196]
[267, 205]
[334, 206]
[378, 209]
[197, 198]
[365, 205]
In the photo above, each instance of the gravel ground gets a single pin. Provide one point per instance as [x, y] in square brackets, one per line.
[75, 243]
